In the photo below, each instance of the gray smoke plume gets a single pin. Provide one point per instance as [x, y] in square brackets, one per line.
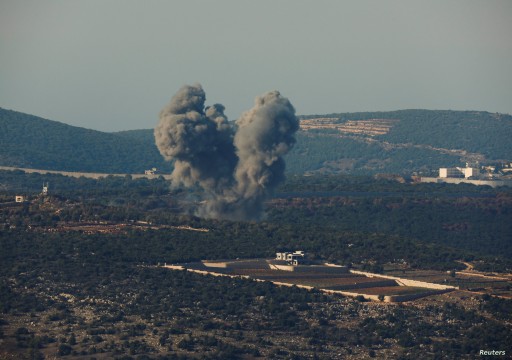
[199, 140]
[236, 167]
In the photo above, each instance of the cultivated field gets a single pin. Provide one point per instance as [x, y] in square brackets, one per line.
[475, 282]
[319, 277]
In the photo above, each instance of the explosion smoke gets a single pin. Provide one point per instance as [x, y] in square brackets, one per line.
[237, 170]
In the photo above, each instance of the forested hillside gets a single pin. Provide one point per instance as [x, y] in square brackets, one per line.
[33, 142]
[331, 153]
[402, 142]
[80, 275]
[473, 131]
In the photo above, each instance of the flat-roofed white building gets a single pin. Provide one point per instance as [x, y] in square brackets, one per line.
[450, 173]
[292, 258]
[471, 172]
[458, 172]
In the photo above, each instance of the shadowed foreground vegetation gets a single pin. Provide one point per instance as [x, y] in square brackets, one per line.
[68, 292]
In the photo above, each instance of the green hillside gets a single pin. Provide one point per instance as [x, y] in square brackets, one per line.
[402, 142]
[414, 141]
[327, 153]
[474, 131]
[33, 142]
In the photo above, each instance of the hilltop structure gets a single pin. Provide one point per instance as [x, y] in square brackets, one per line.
[44, 192]
[472, 174]
[20, 198]
[292, 258]
[470, 171]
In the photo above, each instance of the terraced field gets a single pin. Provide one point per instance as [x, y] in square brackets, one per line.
[321, 281]
[322, 278]
[370, 127]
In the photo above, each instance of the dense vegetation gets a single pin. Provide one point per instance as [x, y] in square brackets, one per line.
[428, 225]
[475, 131]
[328, 153]
[407, 148]
[83, 293]
[33, 142]
[481, 225]
[411, 145]
[89, 305]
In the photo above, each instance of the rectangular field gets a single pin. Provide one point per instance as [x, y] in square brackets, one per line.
[320, 278]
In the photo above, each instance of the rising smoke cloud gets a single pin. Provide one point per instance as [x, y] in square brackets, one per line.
[237, 167]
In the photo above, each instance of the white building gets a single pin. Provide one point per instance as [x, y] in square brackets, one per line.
[458, 172]
[450, 173]
[293, 258]
[20, 198]
[471, 172]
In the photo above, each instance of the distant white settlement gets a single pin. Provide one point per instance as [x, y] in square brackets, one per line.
[474, 174]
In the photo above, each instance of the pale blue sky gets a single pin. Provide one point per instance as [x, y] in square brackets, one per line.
[112, 65]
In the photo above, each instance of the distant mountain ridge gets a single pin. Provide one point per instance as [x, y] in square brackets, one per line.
[33, 142]
[403, 142]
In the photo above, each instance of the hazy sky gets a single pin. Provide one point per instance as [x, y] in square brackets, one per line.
[113, 65]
